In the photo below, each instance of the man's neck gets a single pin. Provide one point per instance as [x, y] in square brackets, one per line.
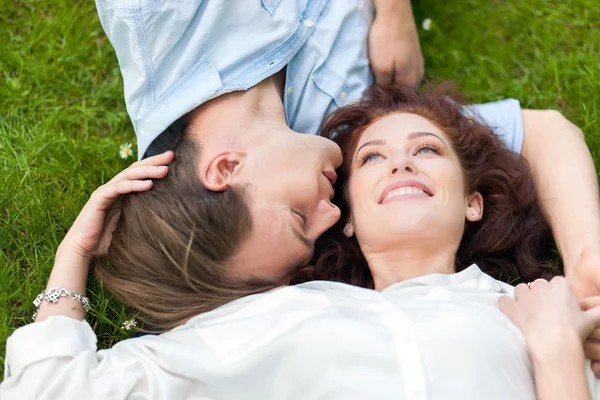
[392, 266]
[228, 119]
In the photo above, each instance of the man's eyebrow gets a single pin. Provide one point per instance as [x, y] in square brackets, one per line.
[376, 142]
[415, 135]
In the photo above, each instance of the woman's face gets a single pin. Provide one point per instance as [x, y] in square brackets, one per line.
[406, 184]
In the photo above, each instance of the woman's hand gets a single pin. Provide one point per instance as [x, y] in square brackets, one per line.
[549, 316]
[394, 49]
[554, 328]
[92, 231]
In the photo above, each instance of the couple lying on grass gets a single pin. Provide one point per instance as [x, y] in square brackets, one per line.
[265, 284]
[404, 297]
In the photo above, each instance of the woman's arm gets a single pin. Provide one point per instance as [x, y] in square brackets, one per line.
[554, 328]
[92, 231]
[56, 357]
[559, 371]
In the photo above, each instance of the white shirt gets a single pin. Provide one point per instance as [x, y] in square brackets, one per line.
[433, 337]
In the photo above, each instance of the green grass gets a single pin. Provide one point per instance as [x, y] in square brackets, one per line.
[62, 114]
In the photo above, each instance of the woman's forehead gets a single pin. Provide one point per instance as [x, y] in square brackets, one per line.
[400, 125]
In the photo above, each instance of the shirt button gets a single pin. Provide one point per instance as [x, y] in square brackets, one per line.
[308, 23]
[289, 90]
[343, 97]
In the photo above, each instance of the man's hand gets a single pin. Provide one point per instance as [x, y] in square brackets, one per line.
[394, 49]
[585, 274]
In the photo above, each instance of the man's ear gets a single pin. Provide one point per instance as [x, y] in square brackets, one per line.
[474, 209]
[222, 170]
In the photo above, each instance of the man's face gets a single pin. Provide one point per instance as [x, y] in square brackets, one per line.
[290, 180]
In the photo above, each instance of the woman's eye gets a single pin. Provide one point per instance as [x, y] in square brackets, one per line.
[427, 150]
[369, 157]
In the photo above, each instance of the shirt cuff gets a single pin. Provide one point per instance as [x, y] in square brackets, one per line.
[57, 336]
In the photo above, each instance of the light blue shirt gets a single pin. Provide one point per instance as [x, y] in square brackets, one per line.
[175, 55]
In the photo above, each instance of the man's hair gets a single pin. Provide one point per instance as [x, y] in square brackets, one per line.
[167, 258]
[509, 242]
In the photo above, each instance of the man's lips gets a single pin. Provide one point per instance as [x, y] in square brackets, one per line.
[331, 176]
[404, 184]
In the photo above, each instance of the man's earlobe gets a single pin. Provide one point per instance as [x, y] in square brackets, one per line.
[220, 172]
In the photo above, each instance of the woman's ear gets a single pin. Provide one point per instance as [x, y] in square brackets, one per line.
[349, 228]
[221, 170]
[474, 209]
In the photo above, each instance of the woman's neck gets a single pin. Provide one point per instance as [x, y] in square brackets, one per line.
[393, 266]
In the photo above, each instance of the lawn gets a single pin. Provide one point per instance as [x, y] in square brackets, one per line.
[63, 118]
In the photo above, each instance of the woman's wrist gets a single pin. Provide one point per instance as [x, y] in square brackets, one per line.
[565, 348]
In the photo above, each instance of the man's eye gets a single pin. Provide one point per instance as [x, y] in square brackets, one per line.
[302, 216]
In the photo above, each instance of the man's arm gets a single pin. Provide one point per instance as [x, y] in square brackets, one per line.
[394, 50]
[567, 184]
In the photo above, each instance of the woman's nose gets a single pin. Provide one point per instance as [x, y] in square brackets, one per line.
[403, 165]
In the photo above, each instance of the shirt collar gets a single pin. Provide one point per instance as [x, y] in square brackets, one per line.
[471, 277]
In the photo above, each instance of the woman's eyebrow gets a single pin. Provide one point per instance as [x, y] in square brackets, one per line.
[376, 142]
[415, 135]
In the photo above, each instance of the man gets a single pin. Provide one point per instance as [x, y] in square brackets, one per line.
[312, 56]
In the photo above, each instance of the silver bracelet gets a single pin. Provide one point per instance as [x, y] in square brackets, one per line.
[52, 295]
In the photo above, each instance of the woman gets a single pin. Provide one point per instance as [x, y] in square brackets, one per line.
[408, 159]
[313, 340]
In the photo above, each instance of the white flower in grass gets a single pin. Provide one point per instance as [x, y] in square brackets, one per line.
[131, 323]
[125, 151]
[426, 24]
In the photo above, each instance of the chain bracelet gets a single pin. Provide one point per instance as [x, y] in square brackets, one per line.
[54, 294]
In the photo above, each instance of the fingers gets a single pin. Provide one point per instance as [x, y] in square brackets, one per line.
[589, 302]
[142, 172]
[596, 368]
[105, 195]
[530, 285]
[155, 167]
[595, 335]
[593, 318]
[506, 305]
[520, 290]
[412, 77]
[159, 159]
[591, 349]
[384, 75]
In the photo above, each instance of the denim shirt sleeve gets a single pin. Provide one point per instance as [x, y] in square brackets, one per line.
[161, 45]
[505, 118]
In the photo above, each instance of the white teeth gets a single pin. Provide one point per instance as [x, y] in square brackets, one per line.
[402, 191]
